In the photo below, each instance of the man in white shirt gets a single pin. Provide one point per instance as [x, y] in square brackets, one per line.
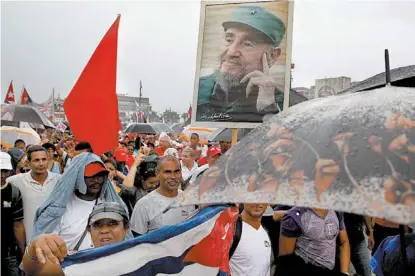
[188, 163]
[72, 225]
[252, 255]
[35, 185]
[213, 154]
[153, 210]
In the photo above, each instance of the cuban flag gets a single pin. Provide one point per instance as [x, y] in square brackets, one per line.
[198, 246]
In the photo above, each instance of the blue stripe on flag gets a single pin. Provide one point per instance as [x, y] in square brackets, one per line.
[157, 236]
[166, 265]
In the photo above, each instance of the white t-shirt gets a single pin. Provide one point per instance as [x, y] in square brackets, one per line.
[152, 212]
[186, 173]
[33, 195]
[197, 173]
[73, 223]
[253, 254]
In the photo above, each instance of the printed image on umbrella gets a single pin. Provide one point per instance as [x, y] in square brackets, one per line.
[17, 113]
[353, 153]
[203, 132]
[8, 135]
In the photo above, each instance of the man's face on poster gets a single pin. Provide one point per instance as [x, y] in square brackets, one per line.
[241, 53]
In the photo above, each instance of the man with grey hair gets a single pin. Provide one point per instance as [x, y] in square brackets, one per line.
[153, 210]
[243, 89]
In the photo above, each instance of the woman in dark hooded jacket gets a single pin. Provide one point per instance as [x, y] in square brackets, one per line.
[144, 181]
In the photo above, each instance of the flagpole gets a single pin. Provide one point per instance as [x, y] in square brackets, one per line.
[21, 94]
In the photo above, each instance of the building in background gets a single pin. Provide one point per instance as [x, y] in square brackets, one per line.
[331, 86]
[59, 114]
[325, 87]
[128, 108]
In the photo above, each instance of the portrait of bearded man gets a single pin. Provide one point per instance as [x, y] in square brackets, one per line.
[243, 87]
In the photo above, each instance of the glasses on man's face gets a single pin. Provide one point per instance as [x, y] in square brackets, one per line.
[105, 223]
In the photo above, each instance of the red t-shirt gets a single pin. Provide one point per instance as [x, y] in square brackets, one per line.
[202, 161]
[130, 160]
[159, 151]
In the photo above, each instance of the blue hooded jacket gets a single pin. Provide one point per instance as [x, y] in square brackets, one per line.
[49, 213]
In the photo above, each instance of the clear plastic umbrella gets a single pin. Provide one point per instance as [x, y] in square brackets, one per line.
[353, 153]
[10, 134]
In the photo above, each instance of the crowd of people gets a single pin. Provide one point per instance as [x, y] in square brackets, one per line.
[60, 197]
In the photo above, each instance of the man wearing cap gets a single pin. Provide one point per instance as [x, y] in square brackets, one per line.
[12, 227]
[121, 157]
[107, 224]
[213, 154]
[65, 213]
[243, 88]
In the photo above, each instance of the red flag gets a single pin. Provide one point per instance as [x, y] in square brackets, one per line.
[139, 116]
[189, 112]
[10, 94]
[25, 98]
[92, 106]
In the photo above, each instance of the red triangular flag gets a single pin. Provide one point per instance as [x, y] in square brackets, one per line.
[92, 106]
[10, 94]
[25, 98]
[189, 112]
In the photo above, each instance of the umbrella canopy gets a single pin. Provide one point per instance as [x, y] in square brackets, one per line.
[11, 113]
[204, 133]
[353, 153]
[225, 134]
[10, 134]
[161, 127]
[140, 128]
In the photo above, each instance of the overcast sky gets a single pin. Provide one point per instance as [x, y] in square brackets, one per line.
[47, 44]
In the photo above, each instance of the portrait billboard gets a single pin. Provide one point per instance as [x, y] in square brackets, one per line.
[243, 62]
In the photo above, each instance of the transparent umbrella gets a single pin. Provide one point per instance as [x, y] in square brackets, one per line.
[353, 153]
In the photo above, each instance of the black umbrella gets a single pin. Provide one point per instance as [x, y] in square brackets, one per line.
[141, 128]
[225, 134]
[160, 127]
[13, 114]
[353, 153]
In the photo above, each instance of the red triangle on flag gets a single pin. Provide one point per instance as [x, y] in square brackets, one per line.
[25, 98]
[10, 94]
[92, 106]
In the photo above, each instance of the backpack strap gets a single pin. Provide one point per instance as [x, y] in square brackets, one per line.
[64, 163]
[236, 236]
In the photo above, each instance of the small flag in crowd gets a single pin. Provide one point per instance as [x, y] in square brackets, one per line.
[61, 127]
[139, 116]
[25, 98]
[10, 94]
[92, 106]
[198, 246]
